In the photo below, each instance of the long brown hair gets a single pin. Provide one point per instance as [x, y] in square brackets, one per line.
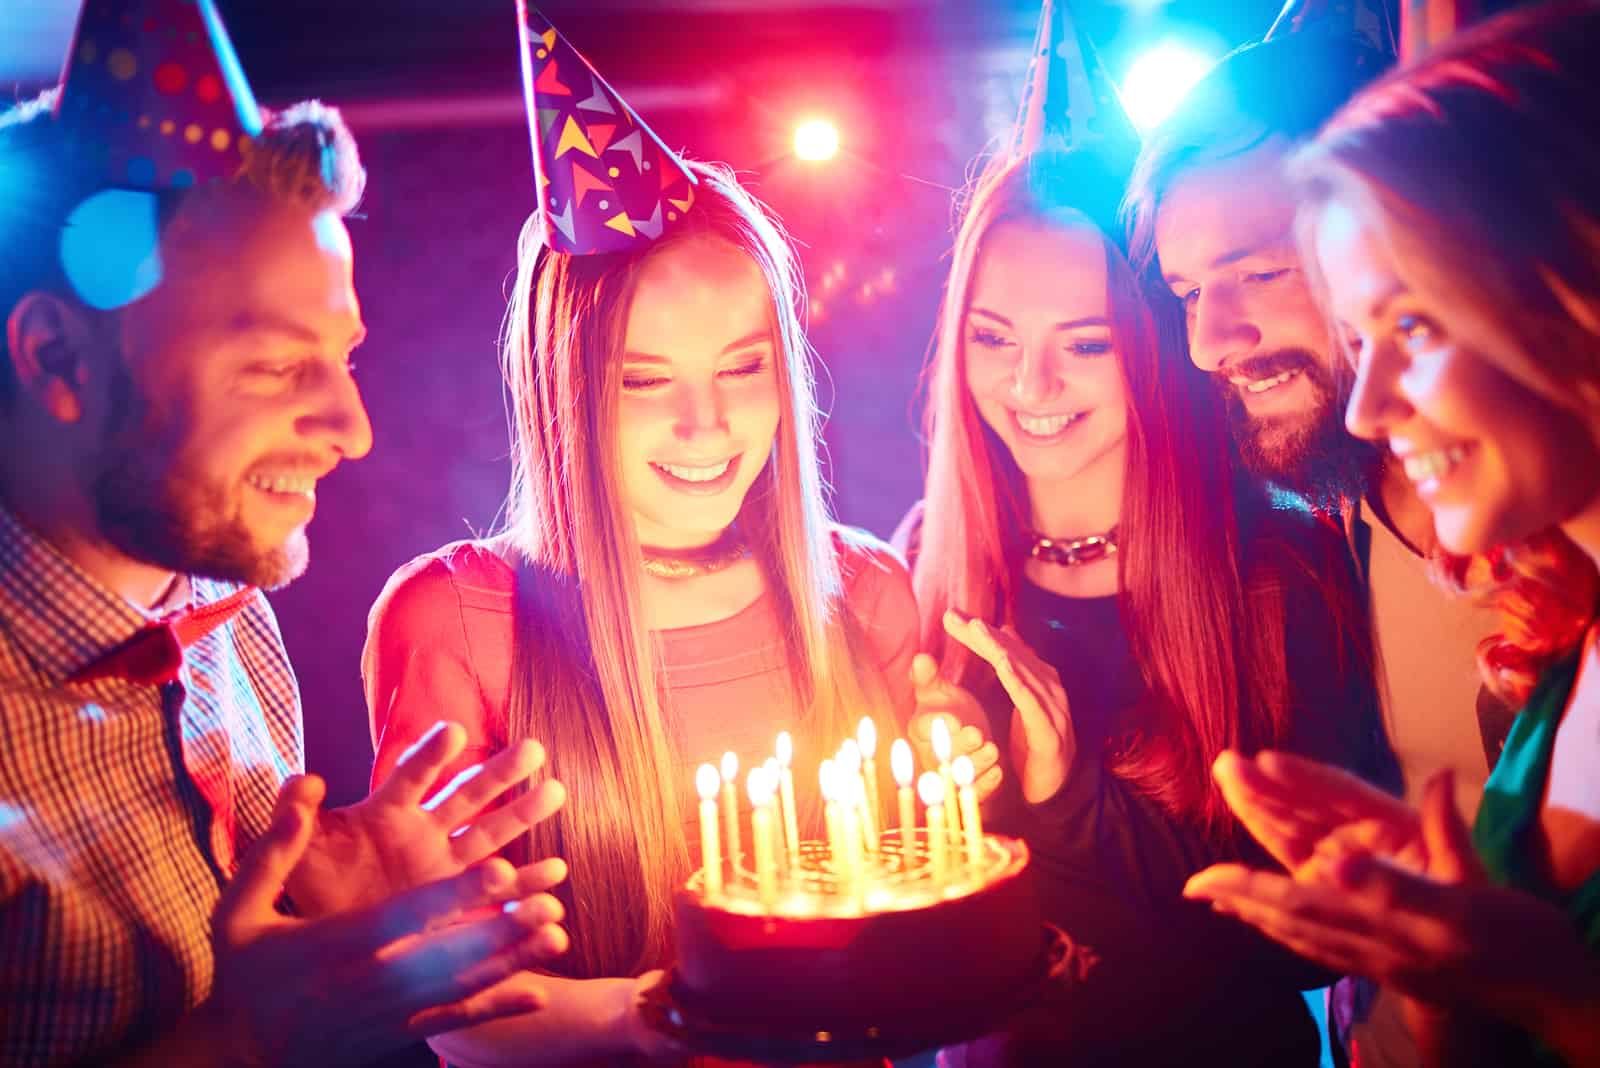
[584, 678]
[1216, 680]
[1481, 162]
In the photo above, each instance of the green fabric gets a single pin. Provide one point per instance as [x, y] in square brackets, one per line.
[1510, 809]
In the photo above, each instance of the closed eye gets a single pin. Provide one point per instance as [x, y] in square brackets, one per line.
[989, 339]
[747, 370]
[1260, 277]
[639, 382]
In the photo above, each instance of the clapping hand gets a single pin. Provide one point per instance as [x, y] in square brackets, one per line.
[401, 837]
[1042, 741]
[939, 699]
[352, 987]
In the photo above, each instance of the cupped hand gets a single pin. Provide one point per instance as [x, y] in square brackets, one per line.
[401, 836]
[1042, 740]
[352, 987]
[938, 699]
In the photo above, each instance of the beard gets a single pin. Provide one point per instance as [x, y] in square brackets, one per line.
[154, 503]
[1309, 452]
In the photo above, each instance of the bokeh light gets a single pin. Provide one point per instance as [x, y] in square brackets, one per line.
[1157, 80]
[816, 140]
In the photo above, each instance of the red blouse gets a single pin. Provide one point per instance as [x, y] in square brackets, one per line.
[439, 643]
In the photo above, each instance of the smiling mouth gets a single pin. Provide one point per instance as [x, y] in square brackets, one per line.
[1434, 464]
[696, 472]
[1265, 385]
[1047, 426]
[285, 485]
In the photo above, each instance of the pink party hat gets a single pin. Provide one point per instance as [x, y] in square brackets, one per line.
[1362, 20]
[153, 88]
[1068, 99]
[606, 183]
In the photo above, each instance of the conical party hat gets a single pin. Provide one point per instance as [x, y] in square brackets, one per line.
[606, 183]
[152, 100]
[1068, 99]
[153, 88]
[1424, 23]
[1362, 20]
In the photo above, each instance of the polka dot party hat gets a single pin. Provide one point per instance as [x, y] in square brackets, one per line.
[1068, 99]
[155, 86]
[605, 182]
[1364, 20]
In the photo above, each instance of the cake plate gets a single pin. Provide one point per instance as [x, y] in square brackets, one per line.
[667, 1010]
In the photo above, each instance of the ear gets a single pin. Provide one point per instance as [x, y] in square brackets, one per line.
[48, 339]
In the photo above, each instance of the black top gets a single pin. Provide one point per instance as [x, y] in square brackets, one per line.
[1158, 979]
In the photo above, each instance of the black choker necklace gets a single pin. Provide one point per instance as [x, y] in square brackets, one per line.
[688, 563]
[1070, 552]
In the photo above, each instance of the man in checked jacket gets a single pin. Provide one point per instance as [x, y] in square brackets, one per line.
[176, 321]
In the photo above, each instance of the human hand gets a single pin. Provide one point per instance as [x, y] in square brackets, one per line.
[1441, 935]
[399, 837]
[638, 1036]
[938, 699]
[1292, 805]
[1042, 741]
[352, 987]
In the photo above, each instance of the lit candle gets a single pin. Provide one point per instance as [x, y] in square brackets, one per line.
[853, 863]
[901, 763]
[828, 775]
[730, 809]
[962, 771]
[849, 763]
[759, 784]
[705, 781]
[867, 738]
[941, 753]
[931, 787]
[791, 827]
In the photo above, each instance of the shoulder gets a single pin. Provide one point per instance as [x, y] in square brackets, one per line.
[907, 536]
[433, 588]
[876, 584]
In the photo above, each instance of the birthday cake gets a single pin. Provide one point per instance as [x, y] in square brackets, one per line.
[891, 950]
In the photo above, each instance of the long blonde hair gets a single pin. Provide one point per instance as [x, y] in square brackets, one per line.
[584, 678]
[1481, 162]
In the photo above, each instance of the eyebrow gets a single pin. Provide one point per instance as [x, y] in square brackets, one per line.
[1069, 324]
[750, 340]
[1381, 302]
[277, 324]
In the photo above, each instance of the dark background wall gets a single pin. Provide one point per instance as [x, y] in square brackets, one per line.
[432, 91]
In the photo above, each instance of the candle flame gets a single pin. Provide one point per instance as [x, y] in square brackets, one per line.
[829, 775]
[900, 761]
[867, 737]
[941, 740]
[730, 766]
[759, 785]
[849, 758]
[962, 771]
[785, 749]
[770, 766]
[931, 788]
[705, 781]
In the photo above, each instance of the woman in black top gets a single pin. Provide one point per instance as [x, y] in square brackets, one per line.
[1121, 608]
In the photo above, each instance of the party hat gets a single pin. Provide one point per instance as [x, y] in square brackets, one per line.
[1424, 23]
[154, 95]
[1068, 99]
[152, 100]
[606, 183]
[1367, 21]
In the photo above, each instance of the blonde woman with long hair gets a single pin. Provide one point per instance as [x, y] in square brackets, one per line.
[668, 585]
